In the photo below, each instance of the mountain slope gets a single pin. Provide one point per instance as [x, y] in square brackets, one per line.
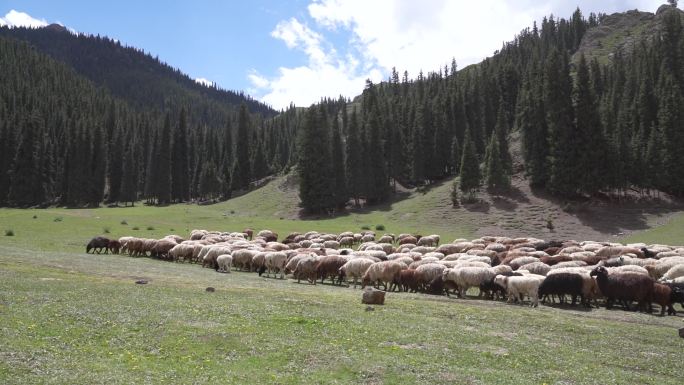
[127, 72]
[622, 31]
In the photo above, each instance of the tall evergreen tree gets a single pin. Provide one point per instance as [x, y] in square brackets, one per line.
[240, 177]
[470, 166]
[353, 160]
[378, 180]
[129, 178]
[496, 175]
[315, 173]
[587, 169]
[559, 119]
[338, 166]
[26, 186]
[180, 181]
[162, 163]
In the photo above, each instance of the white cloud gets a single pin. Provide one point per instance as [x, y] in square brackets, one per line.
[406, 34]
[204, 82]
[325, 73]
[20, 19]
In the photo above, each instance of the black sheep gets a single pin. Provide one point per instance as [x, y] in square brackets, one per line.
[562, 284]
[624, 287]
[97, 244]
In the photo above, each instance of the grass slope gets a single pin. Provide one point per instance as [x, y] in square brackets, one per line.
[74, 318]
[274, 206]
[270, 207]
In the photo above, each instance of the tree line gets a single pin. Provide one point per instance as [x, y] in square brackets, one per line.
[69, 136]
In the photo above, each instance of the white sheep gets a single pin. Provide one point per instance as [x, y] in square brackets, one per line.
[537, 268]
[224, 261]
[428, 272]
[673, 273]
[516, 287]
[275, 262]
[467, 277]
[355, 269]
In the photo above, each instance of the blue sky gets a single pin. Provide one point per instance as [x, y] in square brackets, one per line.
[302, 50]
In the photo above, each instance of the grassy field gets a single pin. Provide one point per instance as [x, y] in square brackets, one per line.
[266, 208]
[69, 318]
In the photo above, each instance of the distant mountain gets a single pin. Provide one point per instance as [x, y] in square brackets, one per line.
[623, 31]
[127, 72]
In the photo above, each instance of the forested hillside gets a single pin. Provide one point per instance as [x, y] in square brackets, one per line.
[68, 139]
[586, 126]
[89, 120]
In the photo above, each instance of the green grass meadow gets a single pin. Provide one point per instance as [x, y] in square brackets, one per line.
[72, 318]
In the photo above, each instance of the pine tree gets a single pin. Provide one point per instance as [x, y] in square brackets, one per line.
[559, 119]
[671, 126]
[587, 168]
[240, 177]
[129, 178]
[97, 171]
[162, 166]
[115, 155]
[497, 177]
[532, 126]
[378, 180]
[180, 183]
[259, 164]
[338, 166]
[353, 160]
[315, 173]
[209, 183]
[470, 166]
[25, 184]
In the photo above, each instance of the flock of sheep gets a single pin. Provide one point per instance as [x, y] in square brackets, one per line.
[515, 269]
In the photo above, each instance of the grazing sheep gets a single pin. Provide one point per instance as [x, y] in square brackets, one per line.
[536, 268]
[562, 265]
[274, 261]
[429, 240]
[561, 285]
[408, 280]
[242, 259]
[520, 261]
[554, 260]
[662, 295]
[657, 270]
[329, 266]
[223, 262]
[467, 277]
[382, 272]
[625, 287]
[408, 240]
[627, 269]
[355, 269]
[306, 268]
[491, 290]
[427, 272]
[674, 272]
[258, 261]
[517, 287]
[114, 246]
[97, 244]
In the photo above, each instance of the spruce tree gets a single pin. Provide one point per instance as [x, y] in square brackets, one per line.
[240, 177]
[671, 126]
[470, 166]
[129, 179]
[180, 181]
[338, 166]
[25, 184]
[559, 119]
[315, 173]
[588, 167]
[162, 165]
[353, 160]
[378, 180]
[97, 171]
[209, 183]
[497, 177]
